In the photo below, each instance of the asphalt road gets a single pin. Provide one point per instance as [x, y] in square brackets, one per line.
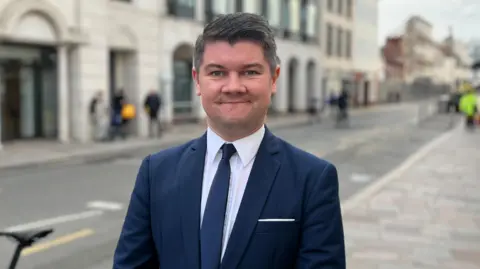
[85, 202]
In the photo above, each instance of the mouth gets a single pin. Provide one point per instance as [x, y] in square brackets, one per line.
[234, 102]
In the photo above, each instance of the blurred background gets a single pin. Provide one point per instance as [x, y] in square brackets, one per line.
[407, 166]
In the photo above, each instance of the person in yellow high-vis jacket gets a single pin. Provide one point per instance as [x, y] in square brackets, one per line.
[468, 106]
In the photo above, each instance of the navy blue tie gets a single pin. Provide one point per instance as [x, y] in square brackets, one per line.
[211, 234]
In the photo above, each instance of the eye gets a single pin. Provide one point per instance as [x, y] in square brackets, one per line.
[251, 73]
[217, 73]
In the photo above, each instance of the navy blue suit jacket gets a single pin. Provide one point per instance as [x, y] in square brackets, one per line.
[161, 228]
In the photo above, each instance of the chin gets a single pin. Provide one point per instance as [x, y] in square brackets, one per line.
[240, 120]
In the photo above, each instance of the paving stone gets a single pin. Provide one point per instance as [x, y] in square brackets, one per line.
[403, 229]
[469, 256]
[361, 264]
[427, 218]
[376, 255]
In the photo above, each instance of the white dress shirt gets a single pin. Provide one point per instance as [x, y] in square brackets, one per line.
[241, 165]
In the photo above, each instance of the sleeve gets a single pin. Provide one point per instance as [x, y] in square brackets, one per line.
[135, 248]
[322, 240]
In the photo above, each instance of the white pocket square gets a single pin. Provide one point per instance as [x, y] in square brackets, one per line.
[276, 220]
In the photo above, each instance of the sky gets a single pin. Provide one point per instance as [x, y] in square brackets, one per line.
[462, 15]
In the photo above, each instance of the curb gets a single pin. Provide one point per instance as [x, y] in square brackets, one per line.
[126, 150]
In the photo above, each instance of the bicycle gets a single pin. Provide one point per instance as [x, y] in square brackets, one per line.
[24, 239]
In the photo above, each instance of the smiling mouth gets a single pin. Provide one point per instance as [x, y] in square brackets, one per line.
[235, 102]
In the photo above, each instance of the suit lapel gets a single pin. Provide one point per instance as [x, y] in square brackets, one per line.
[261, 178]
[190, 175]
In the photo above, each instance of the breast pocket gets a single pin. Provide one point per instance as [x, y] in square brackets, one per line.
[276, 227]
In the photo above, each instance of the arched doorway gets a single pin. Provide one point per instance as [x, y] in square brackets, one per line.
[182, 82]
[33, 75]
[292, 84]
[311, 87]
[123, 65]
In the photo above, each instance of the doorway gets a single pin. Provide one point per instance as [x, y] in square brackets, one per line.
[183, 85]
[28, 88]
[11, 118]
[366, 93]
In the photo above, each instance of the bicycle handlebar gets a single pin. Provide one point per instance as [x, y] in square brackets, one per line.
[24, 239]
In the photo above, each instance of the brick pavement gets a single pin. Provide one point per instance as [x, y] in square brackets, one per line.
[426, 215]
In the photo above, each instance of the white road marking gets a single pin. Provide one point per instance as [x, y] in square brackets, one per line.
[54, 221]
[104, 205]
[360, 178]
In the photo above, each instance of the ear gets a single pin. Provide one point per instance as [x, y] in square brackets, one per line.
[275, 76]
[195, 76]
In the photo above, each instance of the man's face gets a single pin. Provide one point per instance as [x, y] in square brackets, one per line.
[235, 83]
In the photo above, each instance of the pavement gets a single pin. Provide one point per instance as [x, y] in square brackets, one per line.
[85, 200]
[424, 214]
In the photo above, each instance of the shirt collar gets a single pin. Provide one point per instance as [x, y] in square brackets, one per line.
[246, 147]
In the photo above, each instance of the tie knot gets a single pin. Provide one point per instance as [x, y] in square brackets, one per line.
[227, 151]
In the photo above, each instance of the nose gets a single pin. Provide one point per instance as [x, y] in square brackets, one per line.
[234, 84]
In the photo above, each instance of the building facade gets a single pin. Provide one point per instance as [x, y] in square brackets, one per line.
[474, 51]
[337, 43]
[414, 55]
[366, 56]
[56, 54]
[393, 58]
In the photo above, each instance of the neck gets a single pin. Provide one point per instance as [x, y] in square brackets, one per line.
[233, 133]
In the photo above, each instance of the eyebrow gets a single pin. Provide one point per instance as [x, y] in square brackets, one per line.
[219, 66]
[253, 65]
[214, 66]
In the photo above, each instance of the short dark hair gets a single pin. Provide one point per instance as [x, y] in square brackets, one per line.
[238, 27]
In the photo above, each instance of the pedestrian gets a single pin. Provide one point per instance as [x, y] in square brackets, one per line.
[313, 110]
[283, 209]
[342, 104]
[152, 104]
[99, 116]
[117, 122]
[468, 105]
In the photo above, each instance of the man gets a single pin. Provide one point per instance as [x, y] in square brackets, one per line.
[238, 197]
[99, 114]
[152, 106]
[117, 122]
[468, 105]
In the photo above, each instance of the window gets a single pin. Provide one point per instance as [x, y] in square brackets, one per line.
[330, 5]
[285, 18]
[303, 20]
[349, 8]
[272, 11]
[181, 8]
[238, 5]
[309, 20]
[214, 8]
[348, 42]
[339, 42]
[251, 6]
[329, 40]
[312, 19]
[294, 9]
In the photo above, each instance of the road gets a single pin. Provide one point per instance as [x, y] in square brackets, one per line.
[85, 202]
